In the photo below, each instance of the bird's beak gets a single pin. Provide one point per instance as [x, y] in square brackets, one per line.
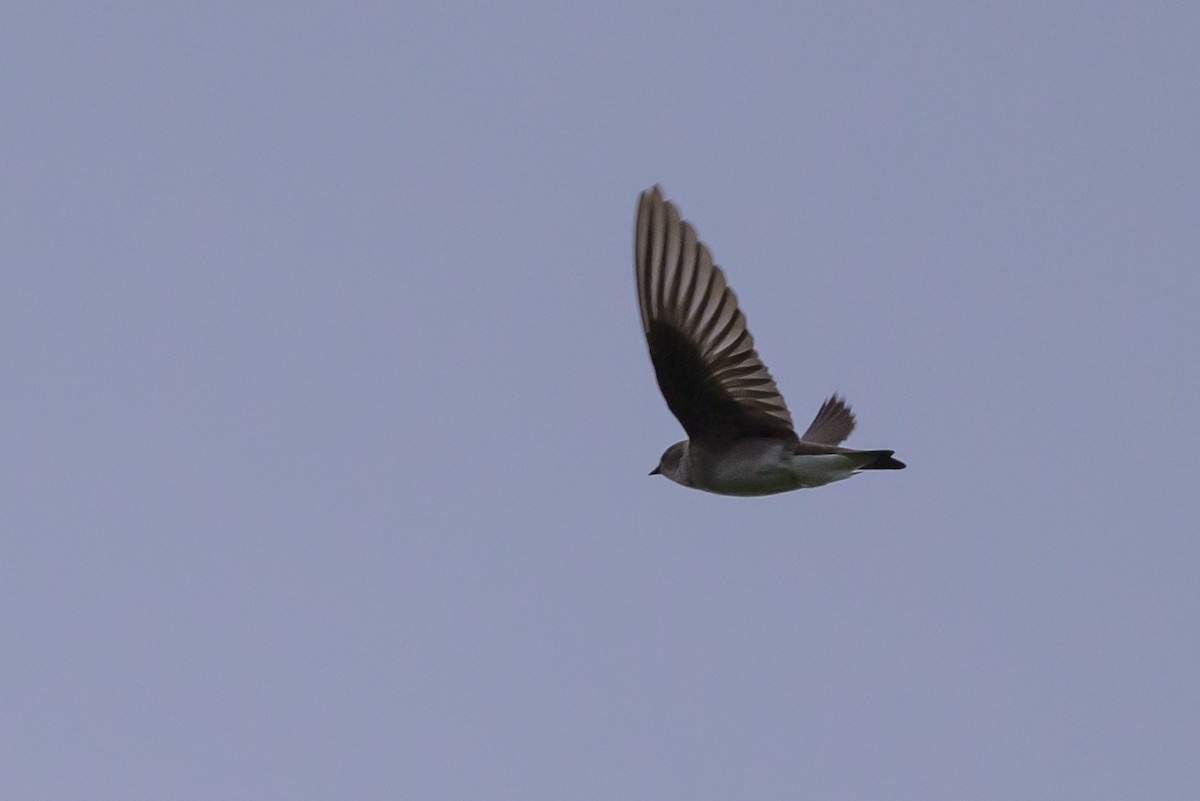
[656, 471]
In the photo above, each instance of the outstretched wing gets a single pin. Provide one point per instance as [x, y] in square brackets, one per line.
[707, 368]
[833, 423]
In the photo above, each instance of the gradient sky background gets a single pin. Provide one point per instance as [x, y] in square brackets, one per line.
[327, 413]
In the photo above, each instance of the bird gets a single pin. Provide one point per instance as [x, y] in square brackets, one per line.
[741, 439]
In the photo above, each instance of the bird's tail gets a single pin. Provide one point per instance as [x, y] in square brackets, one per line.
[877, 460]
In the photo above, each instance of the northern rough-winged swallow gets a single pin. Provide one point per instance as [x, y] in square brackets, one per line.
[741, 440]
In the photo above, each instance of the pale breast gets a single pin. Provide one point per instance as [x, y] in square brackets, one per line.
[763, 467]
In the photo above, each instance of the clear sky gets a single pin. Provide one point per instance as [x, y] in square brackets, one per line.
[327, 413]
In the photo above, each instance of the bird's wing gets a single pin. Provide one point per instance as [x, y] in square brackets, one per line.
[833, 423]
[703, 355]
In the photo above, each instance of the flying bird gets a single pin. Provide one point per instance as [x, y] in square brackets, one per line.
[741, 439]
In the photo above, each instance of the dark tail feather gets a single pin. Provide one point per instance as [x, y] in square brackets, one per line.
[881, 460]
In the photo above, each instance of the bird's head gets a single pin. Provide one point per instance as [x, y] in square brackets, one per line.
[672, 464]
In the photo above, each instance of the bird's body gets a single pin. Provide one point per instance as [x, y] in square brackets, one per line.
[756, 466]
[741, 439]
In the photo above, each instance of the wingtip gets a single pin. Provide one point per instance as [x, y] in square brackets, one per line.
[833, 424]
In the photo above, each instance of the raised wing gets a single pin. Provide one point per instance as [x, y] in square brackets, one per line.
[704, 357]
[833, 423]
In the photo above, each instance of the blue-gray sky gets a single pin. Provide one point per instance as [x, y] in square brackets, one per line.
[327, 415]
